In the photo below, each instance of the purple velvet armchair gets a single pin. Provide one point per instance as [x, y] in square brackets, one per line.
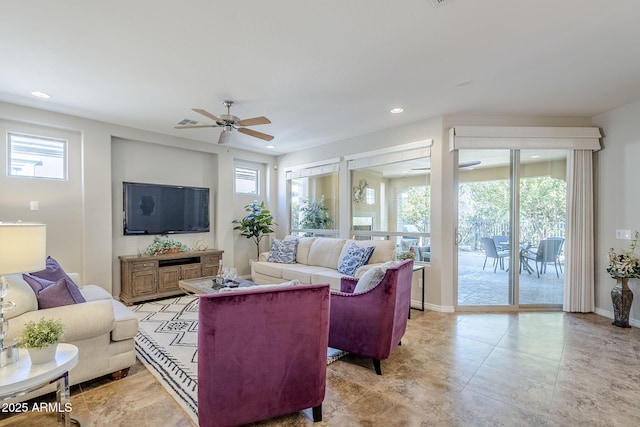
[262, 353]
[372, 323]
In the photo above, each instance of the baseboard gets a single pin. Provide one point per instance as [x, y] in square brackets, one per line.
[610, 315]
[417, 305]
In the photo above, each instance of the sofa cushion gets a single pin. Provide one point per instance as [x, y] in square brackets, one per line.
[272, 269]
[94, 293]
[369, 280]
[355, 257]
[283, 251]
[325, 252]
[126, 322]
[53, 272]
[304, 246]
[54, 294]
[332, 277]
[302, 273]
[21, 294]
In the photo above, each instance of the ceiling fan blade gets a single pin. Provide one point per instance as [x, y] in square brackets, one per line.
[207, 114]
[196, 126]
[225, 136]
[256, 134]
[254, 121]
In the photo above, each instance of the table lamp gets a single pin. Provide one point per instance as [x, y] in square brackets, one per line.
[22, 249]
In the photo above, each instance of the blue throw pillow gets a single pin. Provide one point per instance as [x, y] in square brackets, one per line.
[355, 258]
[283, 251]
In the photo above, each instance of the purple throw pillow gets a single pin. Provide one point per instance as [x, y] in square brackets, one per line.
[58, 294]
[36, 283]
[53, 272]
[54, 294]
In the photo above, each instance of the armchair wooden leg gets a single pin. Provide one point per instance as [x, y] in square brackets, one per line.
[317, 413]
[376, 365]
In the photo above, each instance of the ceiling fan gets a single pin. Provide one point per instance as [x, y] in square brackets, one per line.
[229, 123]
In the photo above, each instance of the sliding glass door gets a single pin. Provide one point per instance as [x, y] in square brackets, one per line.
[511, 222]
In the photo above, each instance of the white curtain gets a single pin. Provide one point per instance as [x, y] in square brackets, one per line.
[579, 270]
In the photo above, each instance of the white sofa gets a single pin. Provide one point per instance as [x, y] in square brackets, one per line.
[317, 261]
[102, 328]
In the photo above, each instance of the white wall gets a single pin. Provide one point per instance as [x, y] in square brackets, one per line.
[151, 163]
[60, 201]
[84, 236]
[617, 199]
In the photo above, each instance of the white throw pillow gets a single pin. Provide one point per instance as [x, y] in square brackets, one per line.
[369, 280]
[388, 264]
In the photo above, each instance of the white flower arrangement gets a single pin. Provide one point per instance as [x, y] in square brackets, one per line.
[626, 264]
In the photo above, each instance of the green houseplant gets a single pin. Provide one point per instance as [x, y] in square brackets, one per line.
[165, 245]
[41, 339]
[314, 214]
[256, 224]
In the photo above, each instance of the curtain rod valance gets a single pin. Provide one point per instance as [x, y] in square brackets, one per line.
[314, 169]
[524, 137]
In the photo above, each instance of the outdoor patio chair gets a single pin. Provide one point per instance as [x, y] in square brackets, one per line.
[548, 251]
[502, 242]
[490, 251]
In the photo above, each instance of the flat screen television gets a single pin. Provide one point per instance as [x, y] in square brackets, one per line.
[164, 209]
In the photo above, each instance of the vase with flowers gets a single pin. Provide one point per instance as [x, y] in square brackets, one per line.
[622, 267]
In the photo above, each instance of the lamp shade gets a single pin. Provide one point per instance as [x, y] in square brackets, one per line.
[23, 247]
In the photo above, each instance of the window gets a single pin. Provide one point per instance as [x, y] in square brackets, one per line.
[313, 195]
[37, 156]
[391, 198]
[247, 181]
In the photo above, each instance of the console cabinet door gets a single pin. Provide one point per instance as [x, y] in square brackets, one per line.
[169, 278]
[143, 279]
[190, 271]
[210, 264]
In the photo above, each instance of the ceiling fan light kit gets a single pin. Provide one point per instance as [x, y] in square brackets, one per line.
[229, 123]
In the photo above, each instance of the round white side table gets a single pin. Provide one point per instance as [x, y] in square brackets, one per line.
[22, 377]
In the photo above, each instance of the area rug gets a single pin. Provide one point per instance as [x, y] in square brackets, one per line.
[167, 345]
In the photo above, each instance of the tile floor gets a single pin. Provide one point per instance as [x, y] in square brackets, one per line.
[452, 369]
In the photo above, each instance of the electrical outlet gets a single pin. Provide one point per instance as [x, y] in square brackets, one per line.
[623, 234]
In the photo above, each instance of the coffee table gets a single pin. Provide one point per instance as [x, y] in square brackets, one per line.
[22, 377]
[206, 285]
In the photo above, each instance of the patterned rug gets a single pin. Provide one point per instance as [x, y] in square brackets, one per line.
[167, 344]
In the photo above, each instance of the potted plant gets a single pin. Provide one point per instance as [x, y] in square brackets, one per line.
[165, 245]
[314, 214]
[257, 223]
[41, 339]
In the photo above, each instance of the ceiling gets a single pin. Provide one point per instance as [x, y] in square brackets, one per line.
[320, 71]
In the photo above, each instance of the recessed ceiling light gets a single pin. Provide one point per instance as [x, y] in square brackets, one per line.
[535, 156]
[397, 110]
[271, 146]
[41, 95]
